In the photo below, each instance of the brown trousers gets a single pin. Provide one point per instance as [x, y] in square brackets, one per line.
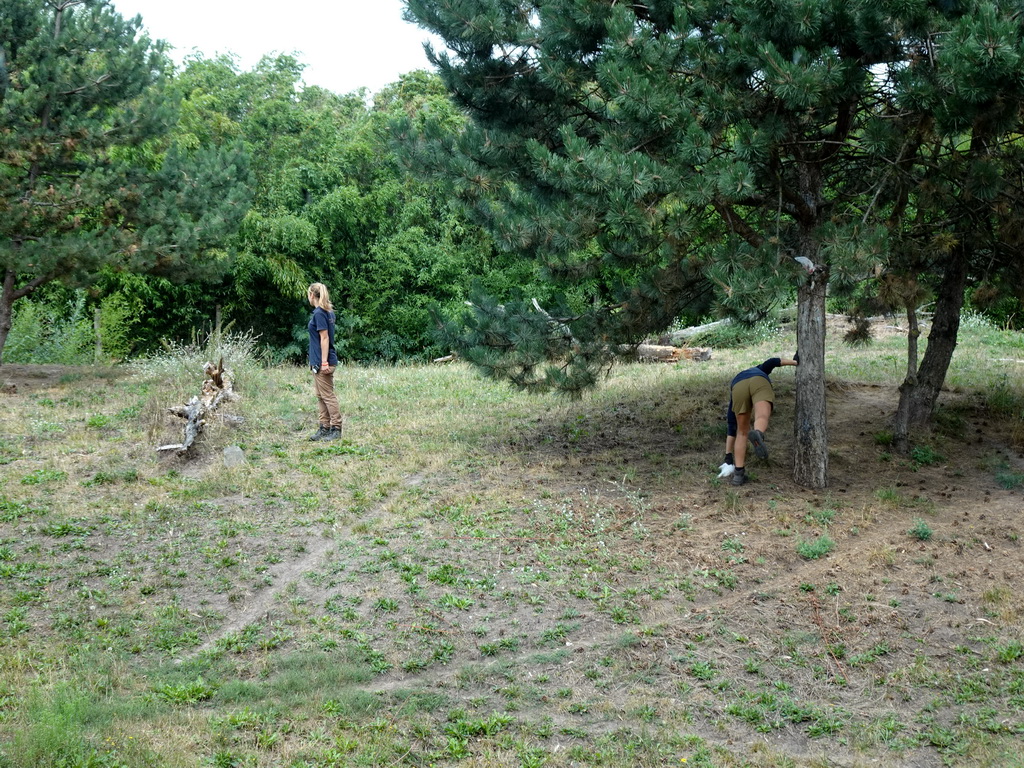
[326, 400]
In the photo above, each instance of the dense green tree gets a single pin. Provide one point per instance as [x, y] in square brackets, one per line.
[960, 203]
[88, 181]
[333, 204]
[952, 195]
[642, 149]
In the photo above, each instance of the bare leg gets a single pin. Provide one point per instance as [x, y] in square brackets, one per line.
[740, 444]
[762, 412]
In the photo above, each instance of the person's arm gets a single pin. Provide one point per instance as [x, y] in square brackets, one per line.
[787, 361]
[325, 341]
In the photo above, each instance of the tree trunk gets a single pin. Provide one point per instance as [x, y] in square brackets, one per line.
[6, 309]
[913, 334]
[918, 394]
[680, 336]
[810, 456]
[9, 294]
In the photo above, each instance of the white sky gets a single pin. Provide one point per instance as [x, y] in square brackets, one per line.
[345, 44]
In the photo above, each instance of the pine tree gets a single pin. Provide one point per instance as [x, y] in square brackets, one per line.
[647, 150]
[644, 151]
[958, 205]
[88, 182]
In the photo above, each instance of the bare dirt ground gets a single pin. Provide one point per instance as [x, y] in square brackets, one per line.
[20, 379]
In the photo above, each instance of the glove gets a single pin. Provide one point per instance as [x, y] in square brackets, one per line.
[726, 469]
[796, 358]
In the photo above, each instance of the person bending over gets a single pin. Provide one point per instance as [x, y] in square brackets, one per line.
[751, 400]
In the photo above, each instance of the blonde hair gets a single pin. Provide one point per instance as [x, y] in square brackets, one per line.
[321, 298]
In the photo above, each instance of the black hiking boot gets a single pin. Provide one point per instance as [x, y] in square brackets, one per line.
[333, 433]
[320, 433]
[757, 440]
[739, 477]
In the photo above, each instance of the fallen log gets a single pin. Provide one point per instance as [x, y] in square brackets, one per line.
[657, 353]
[217, 389]
[682, 334]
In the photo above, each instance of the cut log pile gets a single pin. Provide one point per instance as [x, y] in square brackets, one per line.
[217, 389]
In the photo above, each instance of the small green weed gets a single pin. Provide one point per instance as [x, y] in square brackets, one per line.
[98, 421]
[684, 523]
[920, 530]
[822, 517]
[447, 574]
[41, 476]
[558, 633]
[65, 528]
[1010, 480]
[703, 670]
[186, 693]
[1010, 652]
[883, 438]
[458, 602]
[813, 549]
[505, 644]
[925, 455]
[890, 497]
[386, 605]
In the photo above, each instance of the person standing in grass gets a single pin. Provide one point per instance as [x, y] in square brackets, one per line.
[323, 359]
[751, 398]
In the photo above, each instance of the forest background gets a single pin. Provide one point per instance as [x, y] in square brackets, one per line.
[329, 202]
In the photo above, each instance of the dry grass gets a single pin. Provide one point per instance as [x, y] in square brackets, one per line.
[478, 577]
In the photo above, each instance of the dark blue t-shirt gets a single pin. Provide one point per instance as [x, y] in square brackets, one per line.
[764, 369]
[322, 320]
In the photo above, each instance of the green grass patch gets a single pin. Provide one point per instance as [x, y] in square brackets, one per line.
[816, 548]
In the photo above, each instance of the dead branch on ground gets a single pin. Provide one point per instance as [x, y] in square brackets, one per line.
[217, 389]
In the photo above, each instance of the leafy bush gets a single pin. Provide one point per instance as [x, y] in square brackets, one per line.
[53, 331]
[991, 307]
[116, 326]
[60, 329]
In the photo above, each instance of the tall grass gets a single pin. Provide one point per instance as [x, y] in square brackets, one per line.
[60, 727]
[178, 363]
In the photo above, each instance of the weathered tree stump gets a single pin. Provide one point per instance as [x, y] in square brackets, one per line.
[217, 389]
